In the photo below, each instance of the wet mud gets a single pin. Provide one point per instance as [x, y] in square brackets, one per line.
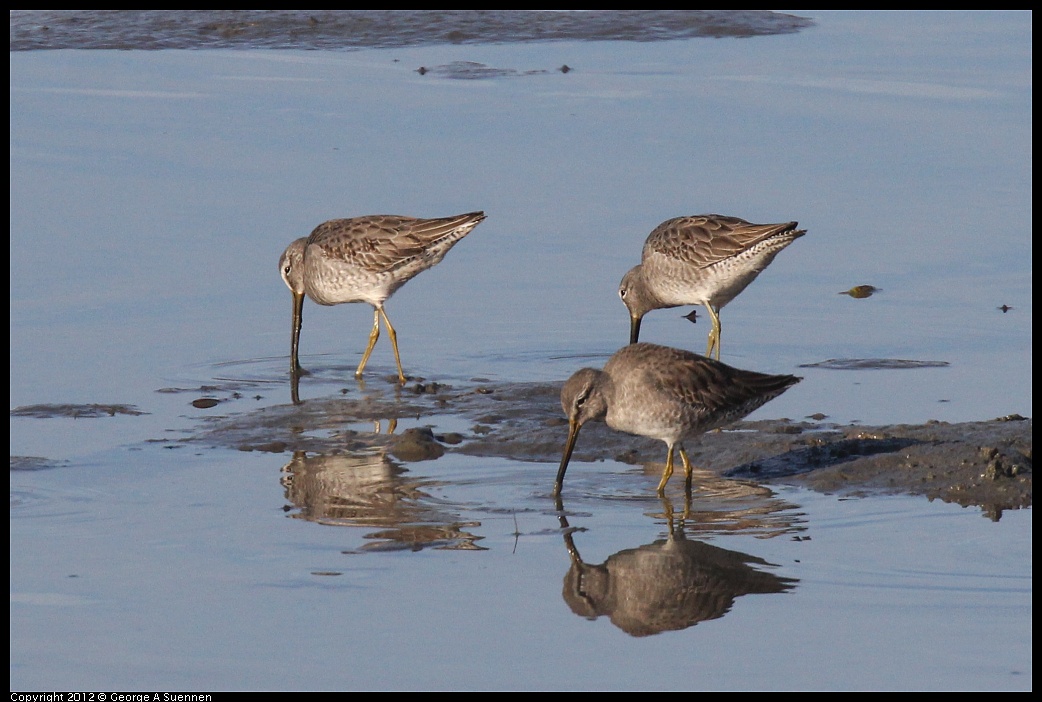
[361, 29]
[985, 464]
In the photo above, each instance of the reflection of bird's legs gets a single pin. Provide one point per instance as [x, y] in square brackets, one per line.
[667, 508]
[394, 344]
[714, 334]
[373, 336]
[668, 470]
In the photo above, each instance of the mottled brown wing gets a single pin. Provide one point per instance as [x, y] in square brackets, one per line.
[381, 243]
[704, 240]
[720, 393]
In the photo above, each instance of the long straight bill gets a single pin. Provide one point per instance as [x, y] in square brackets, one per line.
[298, 311]
[573, 434]
[634, 329]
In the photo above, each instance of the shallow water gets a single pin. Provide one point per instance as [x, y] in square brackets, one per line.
[152, 192]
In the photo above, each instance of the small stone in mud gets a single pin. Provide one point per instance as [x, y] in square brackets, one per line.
[452, 438]
[417, 444]
[270, 447]
[205, 402]
[817, 416]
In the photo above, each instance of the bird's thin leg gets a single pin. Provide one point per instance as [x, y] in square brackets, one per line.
[667, 472]
[714, 334]
[394, 345]
[373, 336]
[687, 470]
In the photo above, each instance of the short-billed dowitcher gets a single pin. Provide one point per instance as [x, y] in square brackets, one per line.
[701, 260]
[366, 259]
[663, 393]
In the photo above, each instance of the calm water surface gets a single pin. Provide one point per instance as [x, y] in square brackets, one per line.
[152, 192]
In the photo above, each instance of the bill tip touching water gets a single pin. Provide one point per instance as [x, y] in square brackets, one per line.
[663, 393]
[704, 260]
[365, 259]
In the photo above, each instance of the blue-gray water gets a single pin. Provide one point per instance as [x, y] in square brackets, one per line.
[153, 190]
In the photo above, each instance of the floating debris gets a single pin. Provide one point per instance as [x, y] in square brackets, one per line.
[205, 402]
[692, 316]
[472, 70]
[873, 364]
[1004, 308]
[859, 292]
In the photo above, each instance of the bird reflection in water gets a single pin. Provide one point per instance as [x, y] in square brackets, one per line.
[668, 585]
[372, 491]
[726, 506]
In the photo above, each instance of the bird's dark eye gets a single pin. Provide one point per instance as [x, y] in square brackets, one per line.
[622, 293]
[287, 269]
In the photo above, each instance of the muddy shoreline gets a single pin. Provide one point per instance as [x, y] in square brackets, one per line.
[34, 30]
[985, 463]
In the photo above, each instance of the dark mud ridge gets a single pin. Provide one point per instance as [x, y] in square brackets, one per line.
[986, 463]
[360, 29]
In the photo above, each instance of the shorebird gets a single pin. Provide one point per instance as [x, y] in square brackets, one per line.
[366, 259]
[700, 260]
[663, 393]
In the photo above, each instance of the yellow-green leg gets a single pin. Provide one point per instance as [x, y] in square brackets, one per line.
[687, 470]
[667, 472]
[373, 336]
[394, 345]
[714, 334]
